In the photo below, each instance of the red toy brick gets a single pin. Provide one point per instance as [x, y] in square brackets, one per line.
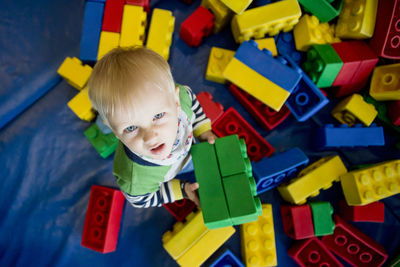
[373, 212]
[198, 25]
[312, 252]
[297, 221]
[144, 3]
[232, 123]
[394, 112]
[180, 209]
[103, 218]
[351, 62]
[267, 117]
[354, 246]
[213, 110]
[112, 18]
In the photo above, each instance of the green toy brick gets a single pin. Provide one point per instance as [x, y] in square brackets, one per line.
[382, 112]
[324, 10]
[105, 144]
[322, 218]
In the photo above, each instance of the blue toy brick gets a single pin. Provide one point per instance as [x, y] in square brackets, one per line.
[287, 47]
[100, 1]
[271, 68]
[306, 99]
[345, 136]
[102, 127]
[271, 172]
[227, 259]
[91, 29]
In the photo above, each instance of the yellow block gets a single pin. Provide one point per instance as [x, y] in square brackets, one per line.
[81, 105]
[217, 62]
[74, 72]
[160, 33]
[133, 26]
[268, 19]
[258, 240]
[357, 19]
[237, 6]
[256, 84]
[108, 41]
[364, 186]
[221, 12]
[353, 110]
[267, 43]
[319, 175]
[385, 83]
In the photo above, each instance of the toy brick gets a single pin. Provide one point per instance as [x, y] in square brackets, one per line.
[368, 185]
[74, 72]
[394, 262]
[373, 212]
[223, 15]
[103, 217]
[108, 41]
[198, 25]
[113, 11]
[134, 21]
[237, 6]
[180, 208]
[213, 110]
[105, 144]
[267, 43]
[322, 218]
[268, 19]
[394, 112]
[232, 123]
[266, 116]
[273, 171]
[287, 47]
[319, 175]
[382, 112]
[357, 19]
[217, 62]
[353, 246]
[324, 10]
[351, 62]
[227, 259]
[143, 3]
[297, 221]
[81, 105]
[353, 109]
[312, 252]
[385, 83]
[91, 29]
[258, 240]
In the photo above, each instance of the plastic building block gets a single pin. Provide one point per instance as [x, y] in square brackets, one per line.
[258, 240]
[180, 208]
[232, 123]
[386, 39]
[134, 21]
[371, 184]
[102, 127]
[385, 83]
[103, 218]
[354, 246]
[312, 252]
[394, 262]
[113, 11]
[373, 212]
[74, 72]
[81, 105]
[143, 3]
[108, 41]
[357, 19]
[227, 259]
[91, 29]
[329, 136]
[297, 221]
[105, 144]
[287, 47]
[319, 175]
[237, 6]
[223, 15]
[394, 112]
[322, 218]
[267, 117]
[198, 25]
[217, 62]
[382, 112]
[324, 10]
[271, 172]
[213, 110]
[160, 33]
[353, 109]
[267, 43]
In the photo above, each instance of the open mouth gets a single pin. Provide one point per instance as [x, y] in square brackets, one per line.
[158, 149]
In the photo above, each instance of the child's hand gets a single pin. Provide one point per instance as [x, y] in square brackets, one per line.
[208, 136]
[191, 192]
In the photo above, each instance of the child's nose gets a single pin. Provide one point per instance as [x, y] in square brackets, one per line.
[149, 136]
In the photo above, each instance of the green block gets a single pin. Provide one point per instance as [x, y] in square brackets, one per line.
[324, 10]
[105, 144]
[322, 218]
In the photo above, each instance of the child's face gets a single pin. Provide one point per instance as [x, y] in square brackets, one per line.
[152, 129]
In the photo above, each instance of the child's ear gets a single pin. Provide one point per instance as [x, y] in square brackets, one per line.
[177, 100]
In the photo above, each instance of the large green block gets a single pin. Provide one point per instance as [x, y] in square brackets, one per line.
[105, 144]
[322, 218]
[382, 112]
[324, 10]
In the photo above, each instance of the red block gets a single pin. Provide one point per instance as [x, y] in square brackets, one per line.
[373, 212]
[180, 209]
[232, 123]
[354, 246]
[144, 3]
[297, 221]
[386, 39]
[112, 18]
[394, 112]
[103, 218]
[351, 63]
[198, 25]
[213, 110]
[267, 117]
[312, 252]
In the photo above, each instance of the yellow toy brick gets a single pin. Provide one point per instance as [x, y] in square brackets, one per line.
[223, 15]
[309, 31]
[364, 186]
[267, 43]
[160, 33]
[319, 175]
[74, 72]
[357, 19]
[108, 41]
[133, 26]
[217, 62]
[353, 110]
[237, 6]
[258, 240]
[385, 83]
[81, 105]
[268, 19]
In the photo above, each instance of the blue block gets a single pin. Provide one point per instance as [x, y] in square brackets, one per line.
[343, 136]
[227, 259]
[100, 1]
[306, 99]
[271, 68]
[102, 127]
[271, 172]
[91, 29]
[287, 47]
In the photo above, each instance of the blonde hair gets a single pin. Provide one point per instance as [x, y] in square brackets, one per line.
[124, 72]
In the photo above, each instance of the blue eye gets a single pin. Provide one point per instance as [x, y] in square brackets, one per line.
[159, 116]
[130, 129]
